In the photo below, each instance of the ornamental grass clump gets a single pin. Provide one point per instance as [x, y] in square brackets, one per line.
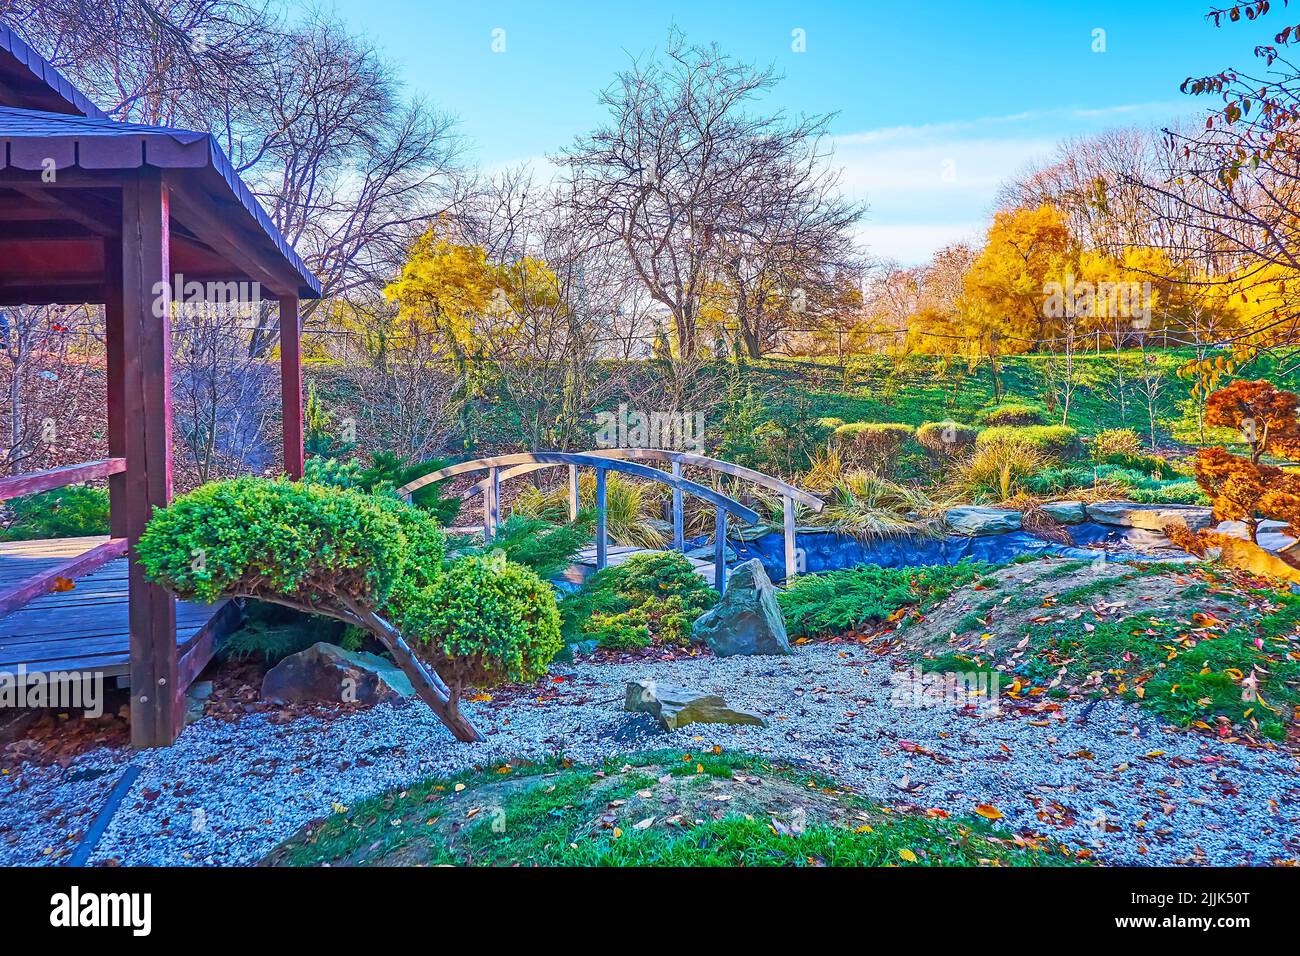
[368, 560]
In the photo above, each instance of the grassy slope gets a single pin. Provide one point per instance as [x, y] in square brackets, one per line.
[1182, 640]
[665, 808]
[922, 389]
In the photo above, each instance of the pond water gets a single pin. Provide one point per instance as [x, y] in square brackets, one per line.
[829, 551]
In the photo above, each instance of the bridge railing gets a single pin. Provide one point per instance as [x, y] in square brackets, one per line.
[624, 461]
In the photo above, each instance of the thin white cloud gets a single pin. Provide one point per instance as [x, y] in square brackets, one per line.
[1054, 117]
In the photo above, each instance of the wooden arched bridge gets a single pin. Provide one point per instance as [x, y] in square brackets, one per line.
[629, 461]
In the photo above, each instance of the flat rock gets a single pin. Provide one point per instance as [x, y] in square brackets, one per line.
[325, 673]
[748, 619]
[1130, 514]
[976, 520]
[675, 707]
[1066, 512]
[705, 553]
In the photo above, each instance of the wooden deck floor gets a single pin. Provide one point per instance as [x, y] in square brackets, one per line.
[84, 628]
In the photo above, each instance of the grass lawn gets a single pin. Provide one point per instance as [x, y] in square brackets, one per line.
[666, 808]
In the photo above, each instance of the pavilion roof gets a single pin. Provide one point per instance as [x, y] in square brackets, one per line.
[76, 135]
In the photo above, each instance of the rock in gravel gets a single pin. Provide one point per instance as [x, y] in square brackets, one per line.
[1066, 512]
[975, 520]
[195, 700]
[1129, 514]
[748, 619]
[326, 673]
[675, 707]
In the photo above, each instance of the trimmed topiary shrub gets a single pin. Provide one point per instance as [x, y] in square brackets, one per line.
[946, 439]
[486, 620]
[1011, 415]
[1054, 442]
[873, 445]
[363, 559]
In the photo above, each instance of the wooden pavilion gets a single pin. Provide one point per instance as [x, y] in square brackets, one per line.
[97, 211]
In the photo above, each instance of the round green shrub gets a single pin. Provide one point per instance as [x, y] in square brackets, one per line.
[946, 438]
[1055, 442]
[1011, 414]
[484, 621]
[648, 597]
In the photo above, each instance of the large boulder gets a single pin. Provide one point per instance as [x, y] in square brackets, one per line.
[748, 619]
[1066, 512]
[675, 707]
[327, 674]
[974, 520]
[1130, 514]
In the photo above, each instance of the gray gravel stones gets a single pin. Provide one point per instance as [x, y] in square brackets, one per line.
[1132, 790]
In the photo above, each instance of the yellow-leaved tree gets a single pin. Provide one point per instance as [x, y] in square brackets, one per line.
[1003, 299]
[444, 291]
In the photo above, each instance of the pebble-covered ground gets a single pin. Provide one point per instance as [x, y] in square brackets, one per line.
[1110, 779]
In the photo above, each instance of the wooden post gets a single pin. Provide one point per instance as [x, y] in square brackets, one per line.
[679, 520]
[791, 568]
[157, 699]
[573, 493]
[115, 397]
[602, 546]
[291, 386]
[720, 551]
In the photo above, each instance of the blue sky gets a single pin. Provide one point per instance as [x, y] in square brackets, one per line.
[937, 102]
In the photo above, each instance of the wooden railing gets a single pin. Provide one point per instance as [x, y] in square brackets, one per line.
[29, 484]
[504, 467]
[43, 582]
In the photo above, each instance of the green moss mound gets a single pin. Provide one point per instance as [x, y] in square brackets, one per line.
[666, 808]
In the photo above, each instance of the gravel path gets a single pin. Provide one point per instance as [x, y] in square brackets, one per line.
[1120, 783]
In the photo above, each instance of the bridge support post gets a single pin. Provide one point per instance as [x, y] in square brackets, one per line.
[602, 546]
[679, 539]
[720, 551]
[573, 493]
[791, 565]
[491, 505]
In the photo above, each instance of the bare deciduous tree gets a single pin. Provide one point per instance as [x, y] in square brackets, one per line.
[686, 178]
